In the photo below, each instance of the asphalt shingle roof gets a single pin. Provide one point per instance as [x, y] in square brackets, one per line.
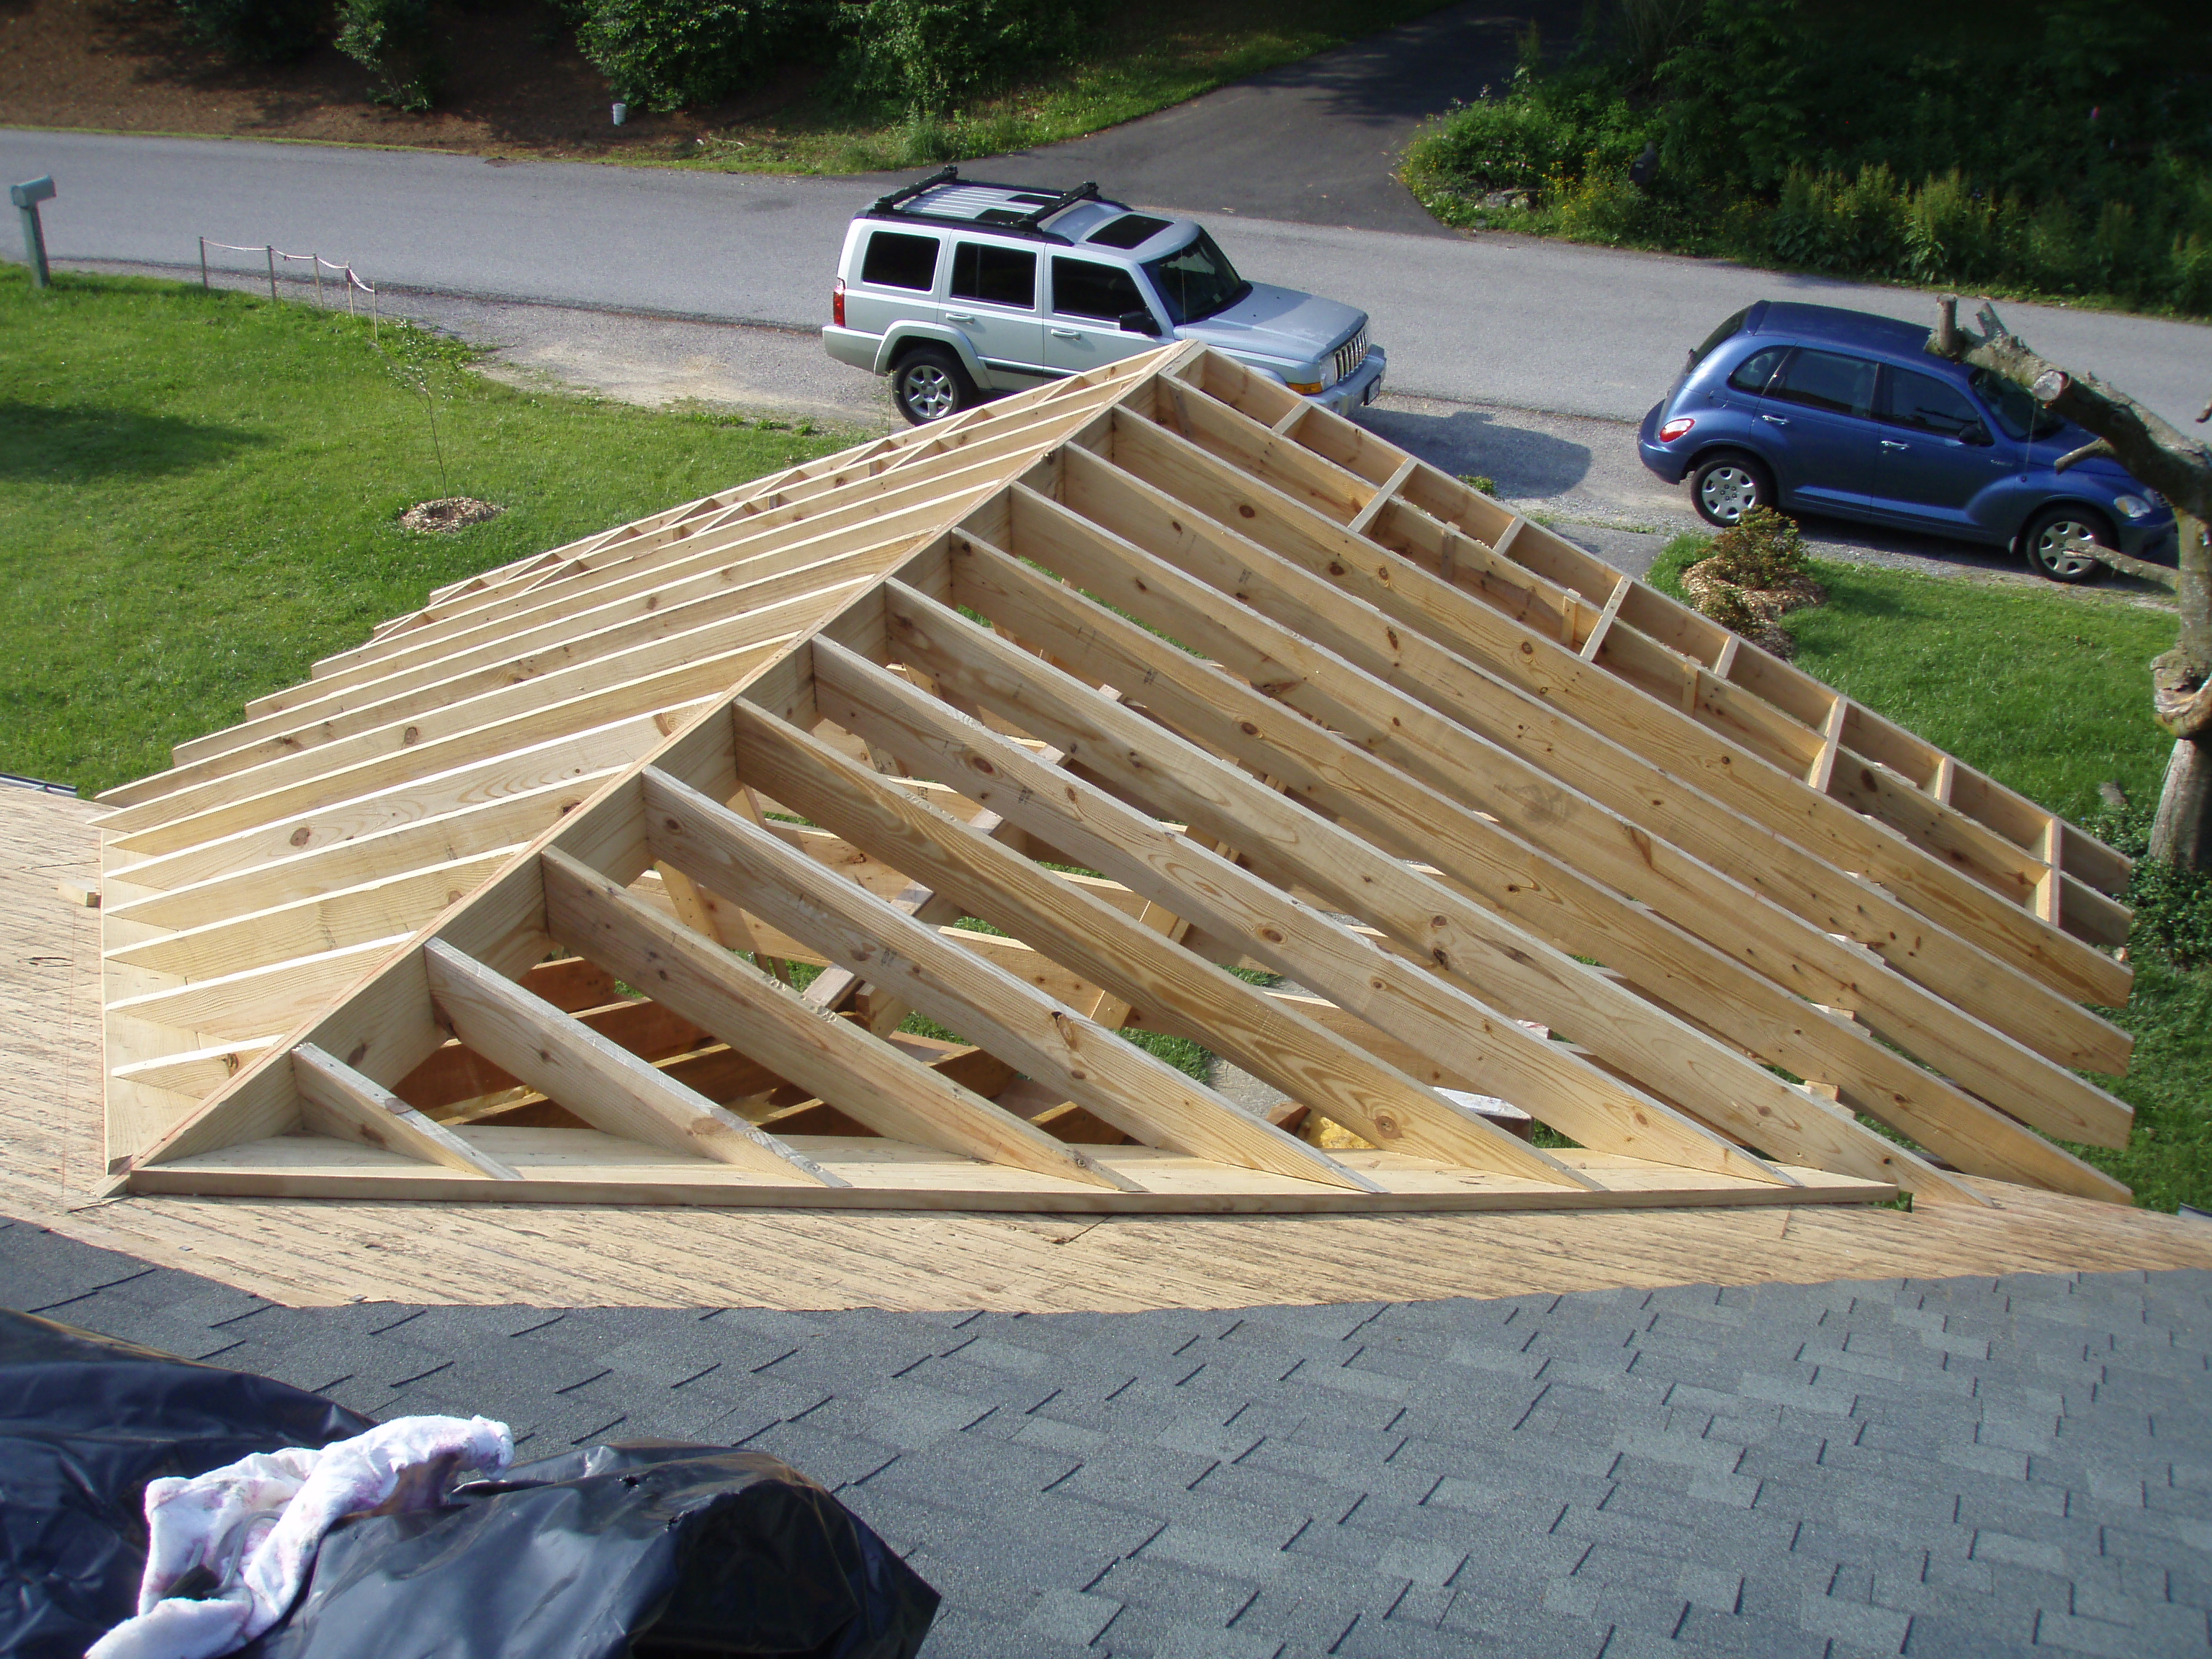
[1955, 1467]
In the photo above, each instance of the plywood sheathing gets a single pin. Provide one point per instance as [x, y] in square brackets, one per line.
[1156, 673]
[333, 1251]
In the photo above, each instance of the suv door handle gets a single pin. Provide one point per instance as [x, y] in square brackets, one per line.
[1891, 443]
[1067, 334]
[1774, 420]
[959, 316]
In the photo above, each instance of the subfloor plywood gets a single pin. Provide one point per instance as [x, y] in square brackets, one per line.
[315, 1253]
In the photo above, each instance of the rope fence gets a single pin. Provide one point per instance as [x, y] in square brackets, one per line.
[352, 282]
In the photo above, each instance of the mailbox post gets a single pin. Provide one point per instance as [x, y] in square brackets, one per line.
[27, 198]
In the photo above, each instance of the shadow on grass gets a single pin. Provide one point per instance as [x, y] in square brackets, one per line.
[76, 443]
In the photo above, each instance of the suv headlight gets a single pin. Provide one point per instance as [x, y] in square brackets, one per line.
[2133, 506]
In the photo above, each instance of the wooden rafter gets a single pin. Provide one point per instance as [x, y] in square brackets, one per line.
[1157, 700]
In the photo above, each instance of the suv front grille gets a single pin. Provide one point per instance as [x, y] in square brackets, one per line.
[1349, 356]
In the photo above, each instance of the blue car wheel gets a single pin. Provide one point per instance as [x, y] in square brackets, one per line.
[1727, 485]
[2051, 532]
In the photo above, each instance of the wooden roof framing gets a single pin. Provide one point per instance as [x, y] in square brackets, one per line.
[1092, 710]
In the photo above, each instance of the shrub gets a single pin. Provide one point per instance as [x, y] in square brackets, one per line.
[2058, 155]
[393, 38]
[1512, 143]
[670, 54]
[1823, 222]
[256, 31]
[929, 57]
[1763, 550]
[2173, 908]
[1950, 233]
[1727, 606]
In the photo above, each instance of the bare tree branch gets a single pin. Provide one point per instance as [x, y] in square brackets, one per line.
[2160, 574]
[2177, 466]
[2088, 451]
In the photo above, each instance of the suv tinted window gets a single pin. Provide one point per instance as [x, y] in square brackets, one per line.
[1752, 374]
[1928, 405]
[1827, 379]
[1197, 280]
[896, 260]
[1081, 289]
[996, 276]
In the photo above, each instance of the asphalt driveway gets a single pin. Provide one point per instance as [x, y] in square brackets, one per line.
[1314, 143]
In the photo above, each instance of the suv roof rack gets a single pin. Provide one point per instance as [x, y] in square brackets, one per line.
[1047, 202]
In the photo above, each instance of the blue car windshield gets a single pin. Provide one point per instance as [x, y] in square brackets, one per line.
[2007, 401]
[1196, 280]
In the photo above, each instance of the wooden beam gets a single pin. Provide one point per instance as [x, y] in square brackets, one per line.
[1288, 937]
[1312, 605]
[1178, 992]
[1139, 1094]
[1822, 776]
[1688, 748]
[1432, 921]
[607, 1086]
[2049, 890]
[1382, 497]
[1549, 894]
[869, 1080]
[1596, 641]
[337, 1101]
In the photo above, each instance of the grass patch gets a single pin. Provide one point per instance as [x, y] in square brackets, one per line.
[2047, 691]
[1152, 56]
[203, 494]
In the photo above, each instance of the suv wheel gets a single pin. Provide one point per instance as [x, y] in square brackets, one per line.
[1727, 485]
[2045, 541]
[929, 384]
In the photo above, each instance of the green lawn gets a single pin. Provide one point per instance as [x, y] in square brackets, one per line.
[2044, 689]
[202, 496]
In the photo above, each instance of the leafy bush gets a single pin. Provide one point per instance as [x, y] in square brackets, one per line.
[1516, 143]
[393, 38]
[1762, 551]
[670, 54]
[256, 31]
[2063, 155]
[1728, 607]
[929, 57]
[2173, 908]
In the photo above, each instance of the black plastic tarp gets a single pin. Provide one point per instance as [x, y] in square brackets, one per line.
[649, 1549]
[85, 1422]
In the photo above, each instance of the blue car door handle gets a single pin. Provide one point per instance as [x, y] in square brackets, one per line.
[1774, 420]
[1891, 443]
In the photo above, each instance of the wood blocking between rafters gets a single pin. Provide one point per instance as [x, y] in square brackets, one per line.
[889, 833]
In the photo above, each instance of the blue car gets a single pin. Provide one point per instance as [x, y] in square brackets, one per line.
[1817, 409]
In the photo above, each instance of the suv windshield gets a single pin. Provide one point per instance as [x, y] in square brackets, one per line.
[2020, 415]
[1197, 280]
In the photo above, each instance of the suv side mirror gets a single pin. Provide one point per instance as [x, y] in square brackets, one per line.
[1138, 322]
[1979, 435]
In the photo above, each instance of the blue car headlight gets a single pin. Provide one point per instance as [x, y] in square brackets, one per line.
[2133, 506]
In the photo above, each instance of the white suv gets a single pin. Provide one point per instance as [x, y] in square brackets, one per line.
[957, 289]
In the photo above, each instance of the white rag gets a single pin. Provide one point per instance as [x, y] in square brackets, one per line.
[255, 1527]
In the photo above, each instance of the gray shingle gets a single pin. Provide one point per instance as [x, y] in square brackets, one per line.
[1953, 1467]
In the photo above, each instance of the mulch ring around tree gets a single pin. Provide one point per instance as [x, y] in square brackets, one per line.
[450, 512]
[1755, 613]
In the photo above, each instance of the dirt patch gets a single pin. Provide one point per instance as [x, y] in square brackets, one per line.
[449, 512]
[516, 86]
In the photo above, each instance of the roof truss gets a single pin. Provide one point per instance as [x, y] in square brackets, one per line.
[1157, 699]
